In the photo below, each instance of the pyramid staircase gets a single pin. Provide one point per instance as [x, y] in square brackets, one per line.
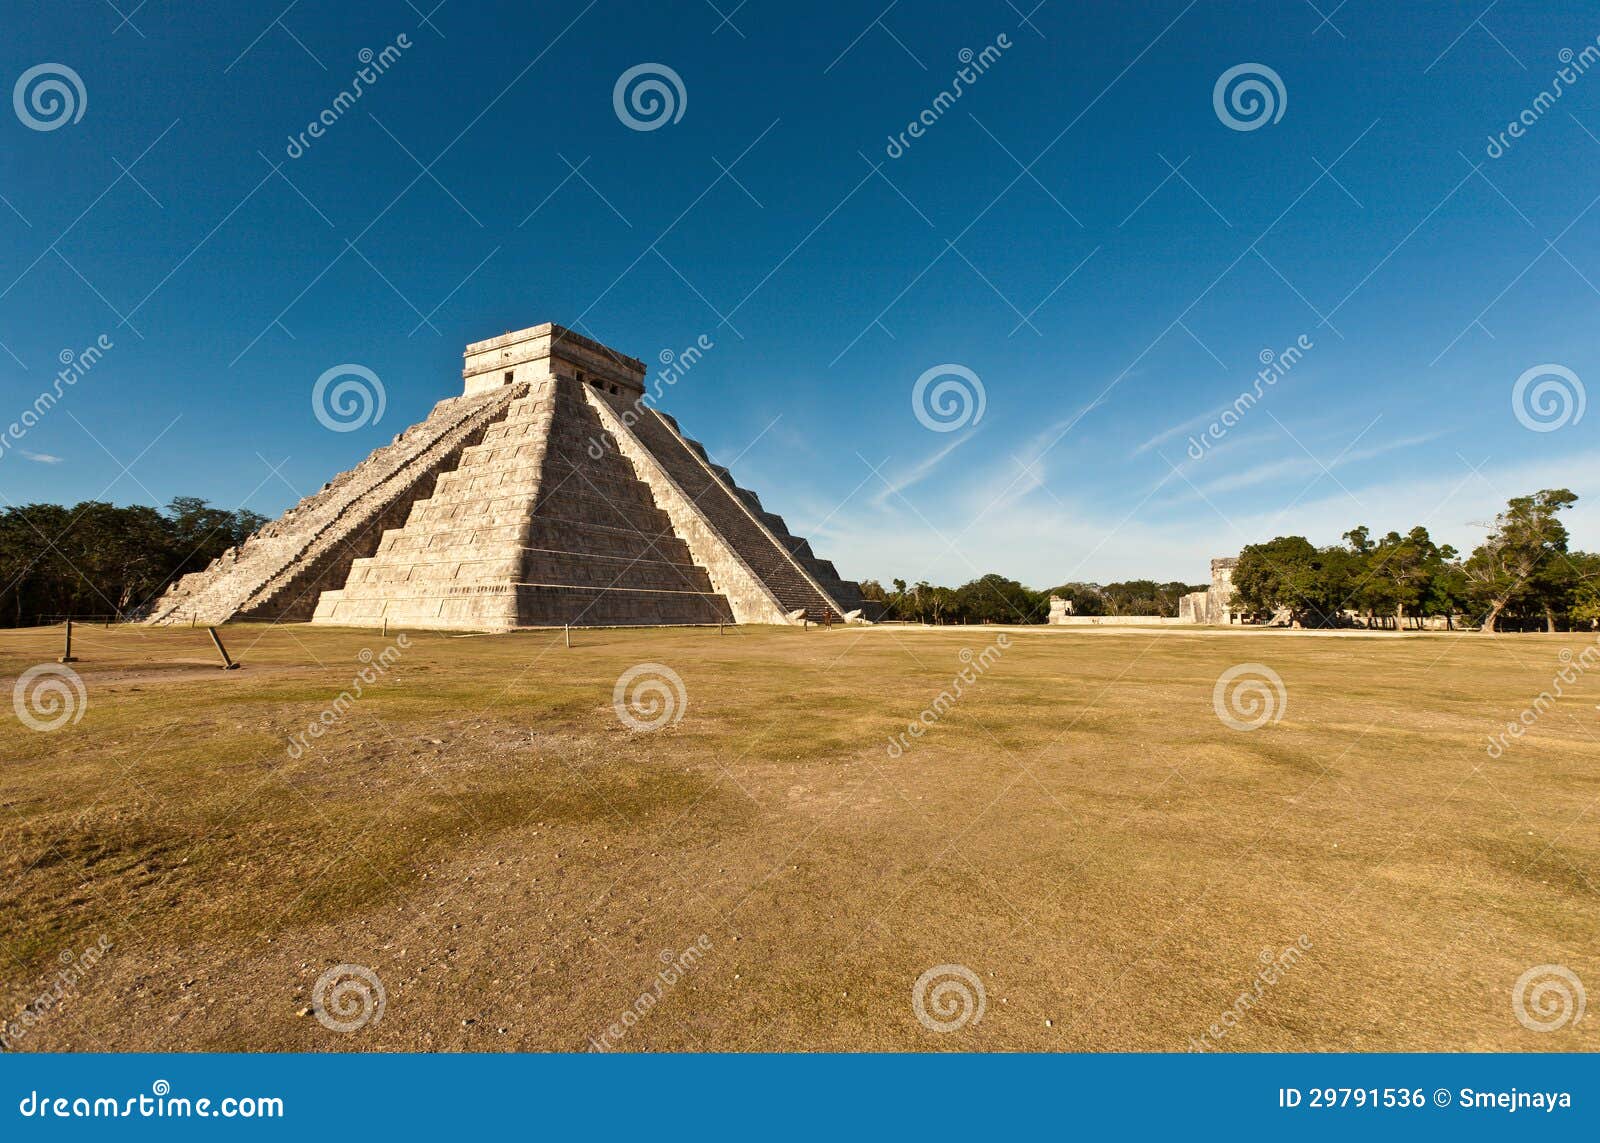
[279, 572]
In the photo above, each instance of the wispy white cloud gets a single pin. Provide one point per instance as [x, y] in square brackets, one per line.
[900, 481]
[42, 457]
[1181, 427]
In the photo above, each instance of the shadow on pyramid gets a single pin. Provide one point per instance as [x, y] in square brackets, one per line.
[548, 494]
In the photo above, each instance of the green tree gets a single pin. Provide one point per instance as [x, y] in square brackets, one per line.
[97, 558]
[35, 570]
[1526, 539]
[1584, 602]
[1448, 591]
[995, 599]
[1370, 593]
[1290, 574]
[1401, 571]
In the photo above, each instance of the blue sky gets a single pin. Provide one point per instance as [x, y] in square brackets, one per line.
[1081, 230]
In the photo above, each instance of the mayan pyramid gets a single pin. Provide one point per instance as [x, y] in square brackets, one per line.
[547, 494]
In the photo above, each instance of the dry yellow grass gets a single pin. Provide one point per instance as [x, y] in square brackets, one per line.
[1080, 830]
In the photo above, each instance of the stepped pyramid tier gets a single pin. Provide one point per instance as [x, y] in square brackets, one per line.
[548, 494]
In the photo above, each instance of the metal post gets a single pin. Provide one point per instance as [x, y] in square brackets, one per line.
[568, 630]
[227, 663]
[66, 655]
[385, 626]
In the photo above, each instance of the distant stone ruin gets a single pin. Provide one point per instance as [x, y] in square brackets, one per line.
[1214, 606]
[547, 494]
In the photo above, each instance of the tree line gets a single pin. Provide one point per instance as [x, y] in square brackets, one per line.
[995, 599]
[1522, 577]
[98, 559]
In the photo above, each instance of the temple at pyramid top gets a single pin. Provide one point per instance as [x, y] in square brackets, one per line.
[547, 494]
[544, 349]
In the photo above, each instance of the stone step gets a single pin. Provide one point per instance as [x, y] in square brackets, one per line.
[532, 605]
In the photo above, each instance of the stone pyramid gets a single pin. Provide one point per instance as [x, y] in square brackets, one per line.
[547, 494]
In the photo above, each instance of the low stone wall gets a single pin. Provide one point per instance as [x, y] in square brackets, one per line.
[1117, 621]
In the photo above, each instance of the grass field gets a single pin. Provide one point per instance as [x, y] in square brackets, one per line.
[517, 867]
